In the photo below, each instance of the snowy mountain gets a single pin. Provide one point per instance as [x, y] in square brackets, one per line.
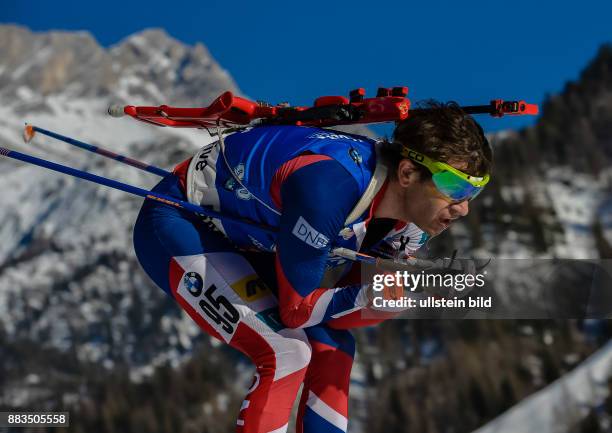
[65, 245]
[149, 66]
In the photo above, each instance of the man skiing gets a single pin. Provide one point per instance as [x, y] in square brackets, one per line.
[279, 296]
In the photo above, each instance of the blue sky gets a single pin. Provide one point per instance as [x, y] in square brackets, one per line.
[469, 52]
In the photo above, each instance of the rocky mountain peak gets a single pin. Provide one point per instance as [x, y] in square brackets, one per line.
[149, 67]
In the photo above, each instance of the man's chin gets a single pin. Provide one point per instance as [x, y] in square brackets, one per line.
[435, 228]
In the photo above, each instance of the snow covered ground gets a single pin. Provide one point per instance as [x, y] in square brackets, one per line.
[558, 407]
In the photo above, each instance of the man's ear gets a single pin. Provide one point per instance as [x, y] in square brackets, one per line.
[407, 173]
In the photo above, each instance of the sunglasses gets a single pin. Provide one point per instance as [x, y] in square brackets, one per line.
[452, 183]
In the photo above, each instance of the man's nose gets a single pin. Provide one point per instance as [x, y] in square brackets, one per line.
[460, 209]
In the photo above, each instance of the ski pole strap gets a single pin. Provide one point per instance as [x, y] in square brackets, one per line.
[31, 129]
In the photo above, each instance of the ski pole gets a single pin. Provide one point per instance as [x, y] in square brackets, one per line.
[390, 265]
[30, 130]
[151, 195]
[410, 265]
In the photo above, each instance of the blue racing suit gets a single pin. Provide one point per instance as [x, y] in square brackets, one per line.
[274, 295]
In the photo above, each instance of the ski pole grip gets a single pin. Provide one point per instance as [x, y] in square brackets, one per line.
[116, 111]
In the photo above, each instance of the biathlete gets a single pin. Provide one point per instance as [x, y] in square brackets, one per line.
[281, 297]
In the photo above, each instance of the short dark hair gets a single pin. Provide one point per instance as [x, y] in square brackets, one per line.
[443, 132]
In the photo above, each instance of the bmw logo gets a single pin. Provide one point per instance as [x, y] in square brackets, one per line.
[193, 282]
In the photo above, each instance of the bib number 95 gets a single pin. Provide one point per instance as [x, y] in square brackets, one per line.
[217, 307]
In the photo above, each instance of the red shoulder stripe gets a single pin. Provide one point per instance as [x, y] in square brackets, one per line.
[285, 170]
